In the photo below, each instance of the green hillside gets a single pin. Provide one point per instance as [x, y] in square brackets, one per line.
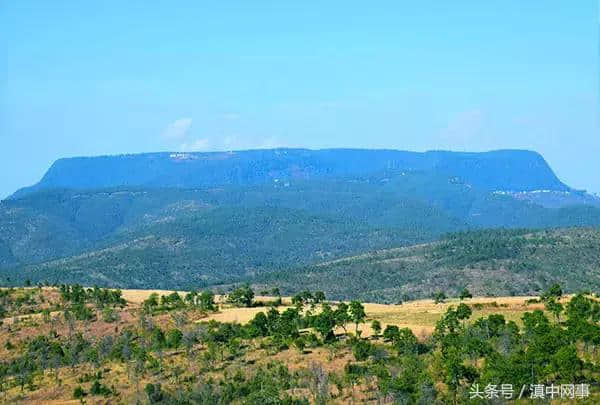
[217, 245]
[180, 238]
[490, 262]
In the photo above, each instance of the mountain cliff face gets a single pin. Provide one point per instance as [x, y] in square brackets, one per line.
[511, 170]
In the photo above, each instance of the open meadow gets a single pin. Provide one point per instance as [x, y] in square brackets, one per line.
[419, 315]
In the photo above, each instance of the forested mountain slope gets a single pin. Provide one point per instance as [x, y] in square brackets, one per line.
[489, 262]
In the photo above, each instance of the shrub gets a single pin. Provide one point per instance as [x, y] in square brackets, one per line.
[300, 343]
[376, 326]
[465, 294]
[78, 392]
[109, 315]
[362, 350]
[81, 312]
[439, 297]
[154, 393]
[173, 338]
[391, 333]
[99, 389]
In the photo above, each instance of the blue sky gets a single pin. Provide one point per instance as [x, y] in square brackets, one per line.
[111, 77]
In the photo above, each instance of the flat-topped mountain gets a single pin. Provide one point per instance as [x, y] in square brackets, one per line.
[174, 220]
[506, 170]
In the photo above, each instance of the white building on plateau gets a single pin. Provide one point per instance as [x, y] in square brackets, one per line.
[180, 156]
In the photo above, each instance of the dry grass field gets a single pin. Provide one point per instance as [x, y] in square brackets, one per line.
[56, 386]
[420, 315]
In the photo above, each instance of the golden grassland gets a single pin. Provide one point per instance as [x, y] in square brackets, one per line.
[420, 315]
[56, 387]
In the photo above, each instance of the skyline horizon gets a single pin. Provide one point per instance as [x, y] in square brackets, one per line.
[102, 79]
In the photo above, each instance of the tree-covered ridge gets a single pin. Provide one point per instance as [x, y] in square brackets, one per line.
[488, 262]
[176, 238]
[167, 350]
[223, 245]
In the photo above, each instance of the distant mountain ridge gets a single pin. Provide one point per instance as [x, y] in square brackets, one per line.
[186, 220]
[511, 170]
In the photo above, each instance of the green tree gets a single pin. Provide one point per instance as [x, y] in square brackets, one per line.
[325, 322]
[463, 311]
[241, 296]
[259, 325]
[341, 315]
[439, 297]
[464, 294]
[109, 315]
[554, 291]
[157, 339]
[190, 298]
[579, 308]
[566, 366]
[151, 302]
[300, 344]
[391, 333]
[554, 307]
[78, 392]
[406, 342]
[298, 301]
[357, 313]
[376, 327]
[206, 301]
[319, 297]
[154, 392]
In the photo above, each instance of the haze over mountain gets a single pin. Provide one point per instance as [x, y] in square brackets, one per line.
[513, 170]
[176, 220]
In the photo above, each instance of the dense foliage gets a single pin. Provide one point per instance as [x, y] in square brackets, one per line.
[487, 262]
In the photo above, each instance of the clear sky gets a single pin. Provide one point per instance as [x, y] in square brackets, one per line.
[111, 77]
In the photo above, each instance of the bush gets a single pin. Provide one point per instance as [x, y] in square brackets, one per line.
[151, 302]
[391, 333]
[173, 338]
[376, 327]
[439, 297]
[362, 350]
[300, 343]
[78, 392]
[81, 312]
[109, 315]
[465, 294]
[154, 393]
[99, 389]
